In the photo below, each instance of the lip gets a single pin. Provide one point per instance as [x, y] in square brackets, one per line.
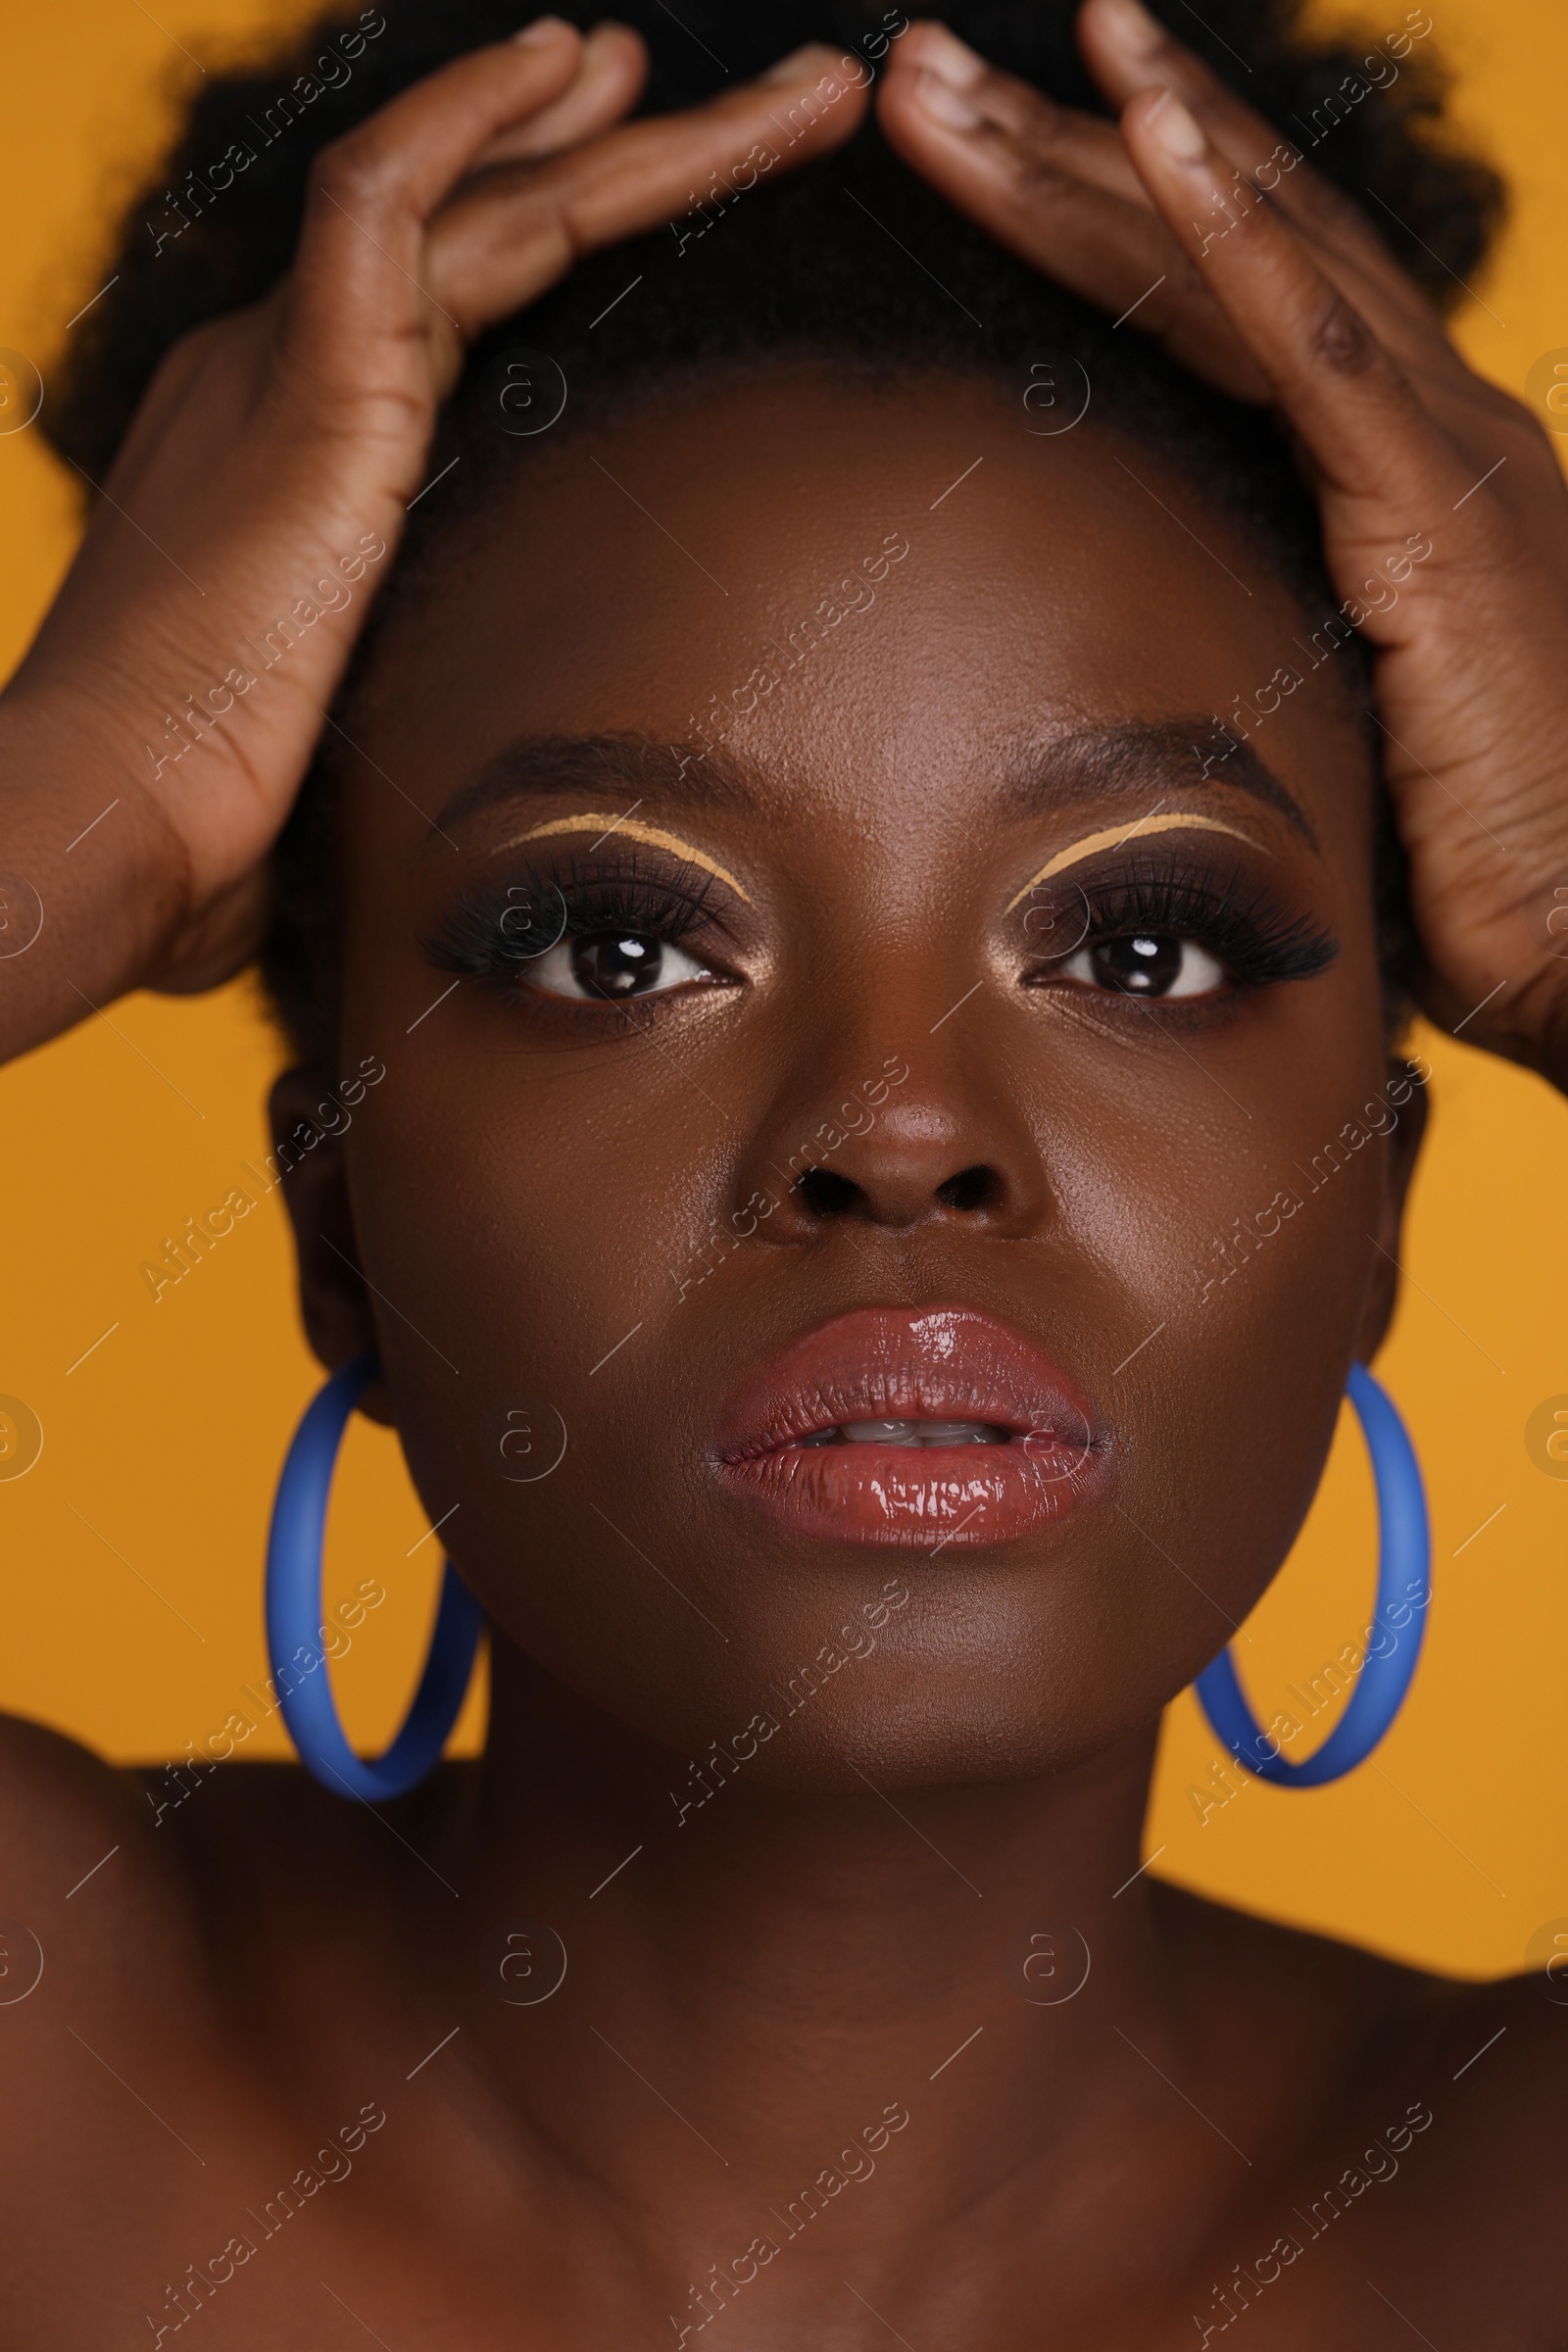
[934, 1363]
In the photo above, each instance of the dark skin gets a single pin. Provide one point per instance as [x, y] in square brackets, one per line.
[803, 1960]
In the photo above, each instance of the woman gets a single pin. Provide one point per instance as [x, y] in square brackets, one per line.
[837, 867]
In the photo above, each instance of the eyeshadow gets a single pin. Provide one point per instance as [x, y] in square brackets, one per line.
[635, 830]
[1113, 835]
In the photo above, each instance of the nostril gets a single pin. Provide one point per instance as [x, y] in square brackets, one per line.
[825, 1194]
[970, 1190]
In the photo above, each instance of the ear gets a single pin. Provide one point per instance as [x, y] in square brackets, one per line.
[1400, 1148]
[308, 1124]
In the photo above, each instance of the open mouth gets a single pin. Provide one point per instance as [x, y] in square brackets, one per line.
[910, 1433]
[909, 1425]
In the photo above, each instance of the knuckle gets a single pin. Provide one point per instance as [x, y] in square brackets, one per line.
[350, 173]
[190, 357]
[1166, 310]
[1034, 181]
[1341, 340]
[1025, 114]
[1186, 288]
[191, 349]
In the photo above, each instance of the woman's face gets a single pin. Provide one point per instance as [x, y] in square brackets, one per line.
[784, 697]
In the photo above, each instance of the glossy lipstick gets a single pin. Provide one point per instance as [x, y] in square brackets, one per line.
[917, 1426]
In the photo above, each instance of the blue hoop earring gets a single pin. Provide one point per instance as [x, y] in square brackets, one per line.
[294, 1620]
[1404, 1583]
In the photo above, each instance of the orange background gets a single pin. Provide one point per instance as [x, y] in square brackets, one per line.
[130, 1597]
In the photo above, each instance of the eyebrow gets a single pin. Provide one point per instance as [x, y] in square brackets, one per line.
[1129, 759]
[1140, 757]
[567, 767]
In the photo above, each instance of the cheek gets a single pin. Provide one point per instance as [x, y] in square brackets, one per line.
[530, 1237]
[1225, 1220]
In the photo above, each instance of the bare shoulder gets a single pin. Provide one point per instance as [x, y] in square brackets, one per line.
[148, 1871]
[1509, 2042]
[97, 1937]
[1270, 1969]
[119, 1885]
[62, 1812]
[80, 1871]
[151, 1932]
[1493, 2053]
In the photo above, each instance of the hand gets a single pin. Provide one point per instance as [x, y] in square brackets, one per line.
[276, 447]
[1296, 300]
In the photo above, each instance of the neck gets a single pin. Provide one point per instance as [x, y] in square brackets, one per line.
[757, 1977]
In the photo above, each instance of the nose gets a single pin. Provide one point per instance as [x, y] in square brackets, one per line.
[914, 1147]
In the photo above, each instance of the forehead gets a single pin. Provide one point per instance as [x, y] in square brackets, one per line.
[929, 590]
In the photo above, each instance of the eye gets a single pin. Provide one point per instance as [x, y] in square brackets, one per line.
[612, 965]
[1143, 963]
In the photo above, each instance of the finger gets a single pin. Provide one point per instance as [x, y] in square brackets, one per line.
[1128, 50]
[497, 247]
[409, 155]
[357, 284]
[1006, 155]
[610, 78]
[1085, 146]
[1368, 435]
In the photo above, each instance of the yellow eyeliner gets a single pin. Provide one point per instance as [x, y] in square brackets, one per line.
[1113, 835]
[638, 832]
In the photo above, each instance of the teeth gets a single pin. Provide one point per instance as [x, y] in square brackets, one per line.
[961, 1433]
[910, 1433]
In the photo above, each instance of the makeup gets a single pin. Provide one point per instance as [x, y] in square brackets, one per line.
[1113, 835]
[932, 1426]
[635, 830]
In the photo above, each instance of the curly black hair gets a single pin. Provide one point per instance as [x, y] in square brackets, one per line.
[804, 268]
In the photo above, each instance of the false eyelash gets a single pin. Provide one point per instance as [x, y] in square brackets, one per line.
[1257, 939]
[488, 933]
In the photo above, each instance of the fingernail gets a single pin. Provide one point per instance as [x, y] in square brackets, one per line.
[543, 28]
[944, 54]
[945, 104]
[1131, 25]
[1175, 128]
[793, 66]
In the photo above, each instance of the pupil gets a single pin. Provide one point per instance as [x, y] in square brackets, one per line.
[1140, 965]
[615, 963]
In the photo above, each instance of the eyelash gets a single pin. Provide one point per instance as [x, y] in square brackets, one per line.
[619, 894]
[1258, 943]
